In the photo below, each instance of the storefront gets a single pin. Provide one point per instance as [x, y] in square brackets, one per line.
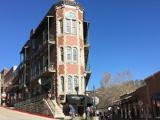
[79, 102]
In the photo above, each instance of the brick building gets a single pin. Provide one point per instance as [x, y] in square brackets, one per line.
[54, 61]
[2, 75]
[144, 102]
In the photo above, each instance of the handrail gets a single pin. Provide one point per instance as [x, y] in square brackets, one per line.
[50, 104]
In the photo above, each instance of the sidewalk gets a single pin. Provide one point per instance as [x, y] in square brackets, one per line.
[7, 114]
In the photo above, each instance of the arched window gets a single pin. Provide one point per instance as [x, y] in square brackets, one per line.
[75, 55]
[70, 84]
[61, 26]
[71, 23]
[74, 27]
[62, 83]
[69, 54]
[68, 26]
[76, 82]
[61, 54]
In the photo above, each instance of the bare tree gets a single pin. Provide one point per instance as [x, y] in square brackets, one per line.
[113, 87]
[105, 80]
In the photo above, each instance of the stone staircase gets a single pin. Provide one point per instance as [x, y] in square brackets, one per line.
[55, 109]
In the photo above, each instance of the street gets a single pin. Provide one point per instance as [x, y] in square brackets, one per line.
[6, 114]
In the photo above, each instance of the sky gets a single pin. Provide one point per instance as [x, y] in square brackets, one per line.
[124, 34]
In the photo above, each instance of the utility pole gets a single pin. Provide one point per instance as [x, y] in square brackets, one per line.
[0, 91]
[93, 96]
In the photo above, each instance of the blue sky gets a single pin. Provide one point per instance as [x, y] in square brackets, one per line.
[124, 34]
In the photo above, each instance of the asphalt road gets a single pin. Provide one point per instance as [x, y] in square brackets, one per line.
[6, 114]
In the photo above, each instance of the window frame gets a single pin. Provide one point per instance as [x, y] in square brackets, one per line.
[62, 83]
[74, 27]
[69, 53]
[61, 49]
[75, 54]
[61, 24]
[70, 84]
[68, 26]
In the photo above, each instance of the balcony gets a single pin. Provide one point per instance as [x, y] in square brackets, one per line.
[86, 31]
[43, 47]
[88, 73]
[51, 40]
[47, 70]
[86, 52]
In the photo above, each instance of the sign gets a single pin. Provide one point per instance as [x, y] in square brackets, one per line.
[96, 100]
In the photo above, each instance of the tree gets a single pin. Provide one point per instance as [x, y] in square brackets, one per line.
[105, 80]
[113, 87]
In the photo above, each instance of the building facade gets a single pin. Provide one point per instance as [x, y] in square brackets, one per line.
[144, 103]
[2, 75]
[54, 61]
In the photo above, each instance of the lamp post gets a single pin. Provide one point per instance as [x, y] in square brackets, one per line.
[77, 89]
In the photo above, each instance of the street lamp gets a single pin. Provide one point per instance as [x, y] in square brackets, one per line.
[77, 89]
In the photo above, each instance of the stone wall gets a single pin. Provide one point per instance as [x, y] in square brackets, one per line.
[38, 107]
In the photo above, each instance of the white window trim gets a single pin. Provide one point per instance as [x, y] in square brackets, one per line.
[63, 83]
[68, 91]
[75, 61]
[69, 61]
[60, 59]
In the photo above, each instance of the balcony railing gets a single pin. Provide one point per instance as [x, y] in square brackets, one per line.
[46, 69]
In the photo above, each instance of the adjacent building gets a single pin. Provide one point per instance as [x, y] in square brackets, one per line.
[144, 103]
[2, 75]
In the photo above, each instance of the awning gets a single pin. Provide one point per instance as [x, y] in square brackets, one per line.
[79, 100]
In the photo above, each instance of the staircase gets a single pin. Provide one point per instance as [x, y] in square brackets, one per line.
[56, 110]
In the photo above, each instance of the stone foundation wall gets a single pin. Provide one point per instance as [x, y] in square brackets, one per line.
[38, 107]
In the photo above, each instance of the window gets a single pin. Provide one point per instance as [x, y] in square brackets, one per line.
[61, 26]
[68, 26]
[76, 81]
[33, 44]
[45, 35]
[74, 27]
[76, 84]
[69, 54]
[70, 85]
[75, 55]
[61, 54]
[62, 83]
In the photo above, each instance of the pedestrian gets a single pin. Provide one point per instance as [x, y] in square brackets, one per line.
[49, 95]
[71, 111]
[88, 112]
